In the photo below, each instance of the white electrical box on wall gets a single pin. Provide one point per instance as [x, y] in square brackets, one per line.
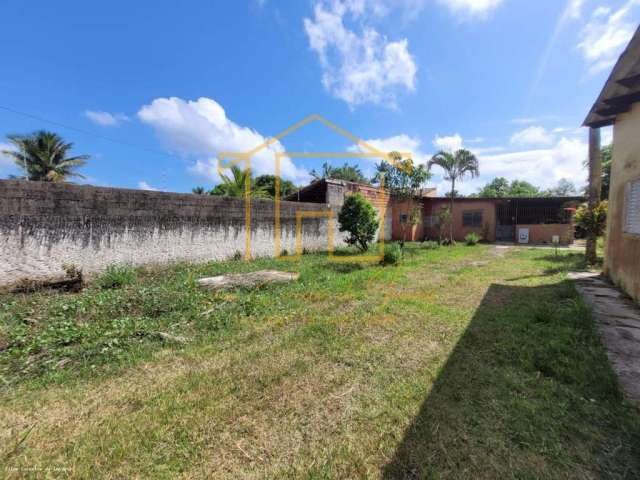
[523, 235]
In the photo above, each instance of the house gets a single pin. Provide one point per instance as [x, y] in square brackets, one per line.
[529, 220]
[619, 105]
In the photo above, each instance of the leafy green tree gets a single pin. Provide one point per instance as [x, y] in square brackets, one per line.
[358, 217]
[234, 185]
[498, 188]
[607, 158]
[594, 222]
[43, 157]
[198, 190]
[456, 166]
[455, 193]
[403, 180]
[268, 184]
[522, 188]
[350, 173]
[565, 188]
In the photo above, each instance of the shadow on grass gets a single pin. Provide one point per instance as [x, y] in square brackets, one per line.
[524, 394]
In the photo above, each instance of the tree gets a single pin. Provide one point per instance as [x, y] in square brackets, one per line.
[198, 190]
[267, 183]
[350, 173]
[456, 166]
[565, 188]
[607, 157]
[404, 180]
[235, 185]
[497, 188]
[592, 221]
[522, 188]
[455, 193]
[43, 157]
[358, 217]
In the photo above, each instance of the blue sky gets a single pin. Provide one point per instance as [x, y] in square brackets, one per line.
[154, 91]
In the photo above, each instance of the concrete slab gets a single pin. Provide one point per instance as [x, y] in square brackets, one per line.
[618, 320]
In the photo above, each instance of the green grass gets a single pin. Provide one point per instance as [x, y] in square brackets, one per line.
[460, 362]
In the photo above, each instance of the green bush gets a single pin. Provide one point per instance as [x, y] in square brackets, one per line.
[430, 245]
[116, 276]
[392, 254]
[472, 239]
[358, 217]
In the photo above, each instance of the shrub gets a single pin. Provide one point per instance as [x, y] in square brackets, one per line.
[358, 217]
[592, 222]
[471, 239]
[237, 256]
[392, 254]
[430, 245]
[116, 276]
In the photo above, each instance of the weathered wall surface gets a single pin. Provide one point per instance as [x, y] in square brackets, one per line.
[622, 258]
[43, 226]
[544, 233]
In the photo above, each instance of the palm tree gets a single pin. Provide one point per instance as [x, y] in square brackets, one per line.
[43, 156]
[198, 190]
[456, 166]
[234, 185]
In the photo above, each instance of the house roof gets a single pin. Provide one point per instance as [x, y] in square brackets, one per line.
[621, 90]
[523, 199]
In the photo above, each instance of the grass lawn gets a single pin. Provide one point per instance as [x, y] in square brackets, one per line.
[464, 362]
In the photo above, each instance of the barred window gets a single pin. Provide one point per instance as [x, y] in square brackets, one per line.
[472, 219]
[632, 208]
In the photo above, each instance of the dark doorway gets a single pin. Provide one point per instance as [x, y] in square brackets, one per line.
[506, 217]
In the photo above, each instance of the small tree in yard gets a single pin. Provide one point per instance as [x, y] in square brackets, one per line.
[403, 180]
[456, 166]
[358, 217]
[593, 222]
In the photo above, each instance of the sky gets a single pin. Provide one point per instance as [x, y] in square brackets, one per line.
[153, 91]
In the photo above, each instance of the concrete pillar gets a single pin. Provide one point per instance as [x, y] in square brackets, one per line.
[595, 187]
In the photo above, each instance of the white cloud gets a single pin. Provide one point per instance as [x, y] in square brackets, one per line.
[448, 143]
[471, 8]
[105, 119]
[142, 185]
[532, 136]
[359, 67]
[543, 167]
[606, 34]
[202, 129]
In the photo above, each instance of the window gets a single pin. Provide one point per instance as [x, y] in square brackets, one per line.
[632, 208]
[472, 219]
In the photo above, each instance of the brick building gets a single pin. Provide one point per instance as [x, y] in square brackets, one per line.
[522, 220]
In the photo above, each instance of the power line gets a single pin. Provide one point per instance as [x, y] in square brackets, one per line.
[89, 133]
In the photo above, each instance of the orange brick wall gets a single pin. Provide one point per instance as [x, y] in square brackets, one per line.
[488, 209]
[540, 234]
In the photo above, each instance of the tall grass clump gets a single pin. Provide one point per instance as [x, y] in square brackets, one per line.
[116, 276]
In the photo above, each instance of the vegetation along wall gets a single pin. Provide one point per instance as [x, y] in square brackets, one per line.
[44, 226]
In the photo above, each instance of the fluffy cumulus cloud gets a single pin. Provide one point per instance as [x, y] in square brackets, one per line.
[471, 8]
[607, 33]
[200, 130]
[543, 167]
[360, 66]
[532, 136]
[105, 119]
[449, 143]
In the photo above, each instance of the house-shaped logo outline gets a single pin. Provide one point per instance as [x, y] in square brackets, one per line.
[228, 159]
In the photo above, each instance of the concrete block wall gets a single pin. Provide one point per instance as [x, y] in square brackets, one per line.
[44, 226]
